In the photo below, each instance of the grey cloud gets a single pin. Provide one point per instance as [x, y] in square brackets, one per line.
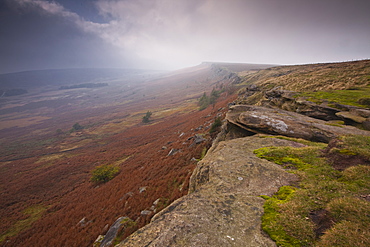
[266, 31]
[174, 34]
[37, 38]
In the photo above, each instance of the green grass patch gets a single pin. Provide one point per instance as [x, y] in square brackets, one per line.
[287, 214]
[357, 144]
[298, 140]
[336, 124]
[355, 97]
[104, 173]
[33, 213]
[270, 219]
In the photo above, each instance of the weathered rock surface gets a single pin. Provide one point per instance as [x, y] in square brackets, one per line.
[288, 100]
[349, 115]
[112, 232]
[258, 119]
[223, 207]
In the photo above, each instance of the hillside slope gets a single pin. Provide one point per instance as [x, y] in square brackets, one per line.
[317, 192]
[52, 140]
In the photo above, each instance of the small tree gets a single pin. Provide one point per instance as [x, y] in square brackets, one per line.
[77, 127]
[146, 117]
[104, 173]
[203, 102]
[216, 125]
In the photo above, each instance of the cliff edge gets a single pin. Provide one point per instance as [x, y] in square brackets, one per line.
[224, 206]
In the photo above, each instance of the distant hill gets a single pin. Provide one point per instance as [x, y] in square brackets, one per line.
[60, 77]
[239, 67]
[313, 77]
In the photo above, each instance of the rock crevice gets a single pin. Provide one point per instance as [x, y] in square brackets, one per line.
[223, 207]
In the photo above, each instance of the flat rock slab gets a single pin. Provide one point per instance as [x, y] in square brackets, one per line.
[224, 206]
[260, 119]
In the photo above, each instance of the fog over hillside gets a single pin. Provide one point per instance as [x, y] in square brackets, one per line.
[58, 77]
[166, 34]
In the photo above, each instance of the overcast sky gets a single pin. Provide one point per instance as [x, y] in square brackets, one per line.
[171, 34]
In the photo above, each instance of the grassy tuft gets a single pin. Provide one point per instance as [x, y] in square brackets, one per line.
[346, 234]
[357, 144]
[356, 97]
[288, 214]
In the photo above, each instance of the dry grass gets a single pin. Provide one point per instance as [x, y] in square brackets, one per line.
[314, 77]
[32, 214]
[289, 215]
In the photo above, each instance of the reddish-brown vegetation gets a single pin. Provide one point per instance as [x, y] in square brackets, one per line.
[53, 170]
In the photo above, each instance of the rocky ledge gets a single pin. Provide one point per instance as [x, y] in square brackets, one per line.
[258, 119]
[224, 207]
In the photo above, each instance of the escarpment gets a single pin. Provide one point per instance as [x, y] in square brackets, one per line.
[224, 205]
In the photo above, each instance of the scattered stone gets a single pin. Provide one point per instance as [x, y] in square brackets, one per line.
[146, 212]
[142, 189]
[113, 230]
[173, 151]
[155, 203]
[198, 139]
[126, 196]
[164, 147]
[83, 222]
[98, 241]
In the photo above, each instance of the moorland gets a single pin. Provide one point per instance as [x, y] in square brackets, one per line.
[84, 150]
[56, 134]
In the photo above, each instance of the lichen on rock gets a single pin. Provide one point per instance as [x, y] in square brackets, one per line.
[223, 207]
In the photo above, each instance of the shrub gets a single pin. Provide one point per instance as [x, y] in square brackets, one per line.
[146, 117]
[204, 102]
[104, 173]
[77, 127]
[216, 125]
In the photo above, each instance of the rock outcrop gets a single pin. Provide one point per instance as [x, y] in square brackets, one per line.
[257, 119]
[289, 101]
[223, 207]
[108, 239]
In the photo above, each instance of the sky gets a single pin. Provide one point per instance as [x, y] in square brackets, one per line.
[173, 34]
